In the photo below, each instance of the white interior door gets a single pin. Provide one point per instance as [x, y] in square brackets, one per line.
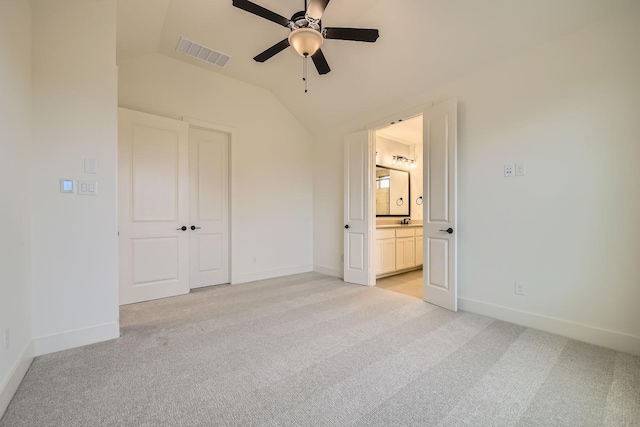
[358, 176]
[208, 208]
[153, 202]
[440, 206]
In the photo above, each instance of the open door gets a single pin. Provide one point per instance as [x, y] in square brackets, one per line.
[357, 208]
[440, 205]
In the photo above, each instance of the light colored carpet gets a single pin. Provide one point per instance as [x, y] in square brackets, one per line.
[310, 350]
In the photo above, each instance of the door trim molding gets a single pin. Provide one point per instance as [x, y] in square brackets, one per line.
[405, 114]
[209, 125]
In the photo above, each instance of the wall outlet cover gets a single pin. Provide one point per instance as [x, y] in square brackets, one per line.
[509, 170]
[520, 170]
[519, 288]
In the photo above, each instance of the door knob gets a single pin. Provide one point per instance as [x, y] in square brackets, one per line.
[346, 226]
[183, 228]
[448, 230]
[193, 227]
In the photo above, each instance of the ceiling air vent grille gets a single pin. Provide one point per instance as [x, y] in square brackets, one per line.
[194, 50]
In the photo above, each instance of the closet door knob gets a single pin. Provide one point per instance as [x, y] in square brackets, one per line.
[346, 226]
[193, 227]
[448, 230]
[183, 228]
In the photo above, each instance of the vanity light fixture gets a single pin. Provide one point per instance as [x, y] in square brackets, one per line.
[404, 162]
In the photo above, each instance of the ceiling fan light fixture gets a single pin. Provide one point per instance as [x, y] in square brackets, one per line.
[306, 41]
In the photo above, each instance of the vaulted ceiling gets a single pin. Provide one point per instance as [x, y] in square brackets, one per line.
[423, 43]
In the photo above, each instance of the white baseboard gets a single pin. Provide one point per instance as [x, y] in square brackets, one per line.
[77, 338]
[590, 334]
[270, 274]
[327, 270]
[9, 386]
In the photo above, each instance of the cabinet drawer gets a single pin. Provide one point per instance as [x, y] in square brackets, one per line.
[389, 233]
[405, 232]
[419, 231]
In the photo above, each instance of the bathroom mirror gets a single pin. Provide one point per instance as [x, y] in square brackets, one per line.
[392, 192]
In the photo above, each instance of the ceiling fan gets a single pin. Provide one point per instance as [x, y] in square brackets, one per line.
[307, 33]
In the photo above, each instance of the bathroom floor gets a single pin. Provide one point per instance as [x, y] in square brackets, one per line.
[406, 283]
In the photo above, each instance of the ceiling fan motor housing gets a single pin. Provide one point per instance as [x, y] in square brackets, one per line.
[302, 20]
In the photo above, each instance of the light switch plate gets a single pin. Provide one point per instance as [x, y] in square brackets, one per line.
[66, 185]
[88, 188]
[90, 166]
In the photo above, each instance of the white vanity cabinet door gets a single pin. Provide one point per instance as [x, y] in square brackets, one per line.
[389, 255]
[379, 256]
[385, 256]
[419, 250]
[419, 246]
[405, 252]
[385, 251]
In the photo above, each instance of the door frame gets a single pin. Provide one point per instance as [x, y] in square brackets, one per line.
[378, 124]
[372, 128]
[232, 133]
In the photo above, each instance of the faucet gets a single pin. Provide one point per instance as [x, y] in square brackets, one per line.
[405, 221]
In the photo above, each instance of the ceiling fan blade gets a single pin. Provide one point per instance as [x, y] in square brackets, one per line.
[356, 34]
[272, 51]
[261, 11]
[320, 62]
[316, 8]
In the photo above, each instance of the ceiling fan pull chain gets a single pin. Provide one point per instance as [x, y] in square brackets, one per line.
[304, 72]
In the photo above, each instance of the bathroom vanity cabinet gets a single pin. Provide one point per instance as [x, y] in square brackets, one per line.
[398, 249]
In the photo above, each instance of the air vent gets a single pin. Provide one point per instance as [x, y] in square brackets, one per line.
[194, 50]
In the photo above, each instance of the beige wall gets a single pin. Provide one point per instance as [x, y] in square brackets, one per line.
[271, 165]
[74, 238]
[569, 229]
[15, 149]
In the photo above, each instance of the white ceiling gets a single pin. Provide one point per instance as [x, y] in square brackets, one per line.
[423, 43]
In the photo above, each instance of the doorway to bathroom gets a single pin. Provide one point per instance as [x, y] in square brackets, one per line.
[398, 197]
[437, 232]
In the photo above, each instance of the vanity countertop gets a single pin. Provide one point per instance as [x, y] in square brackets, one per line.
[398, 225]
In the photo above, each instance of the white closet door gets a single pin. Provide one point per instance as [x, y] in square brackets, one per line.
[208, 207]
[153, 202]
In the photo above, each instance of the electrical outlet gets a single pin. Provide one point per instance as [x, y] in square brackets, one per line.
[7, 342]
[254, 260]
[509, 170]
[342, 258]
[520, 169]
[519, 288]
